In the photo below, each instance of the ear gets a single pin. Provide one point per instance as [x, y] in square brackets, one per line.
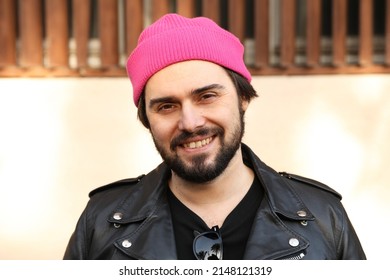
[244, 104]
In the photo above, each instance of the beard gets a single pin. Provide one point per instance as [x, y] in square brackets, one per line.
[198, 170]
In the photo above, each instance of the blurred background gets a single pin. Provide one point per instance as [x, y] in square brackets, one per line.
[68, 123]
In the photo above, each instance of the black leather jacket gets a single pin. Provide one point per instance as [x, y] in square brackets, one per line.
[298, 219]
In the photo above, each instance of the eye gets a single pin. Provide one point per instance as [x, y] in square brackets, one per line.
[166, 107]
[208, 96]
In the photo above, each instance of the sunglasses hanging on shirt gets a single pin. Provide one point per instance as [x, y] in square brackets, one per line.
[208, 245]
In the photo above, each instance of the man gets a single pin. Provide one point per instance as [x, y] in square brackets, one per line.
[212, 197]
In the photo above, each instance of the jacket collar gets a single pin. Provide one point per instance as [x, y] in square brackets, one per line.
[270, 237]
[147, 208]
[282, 198]
[154, 238]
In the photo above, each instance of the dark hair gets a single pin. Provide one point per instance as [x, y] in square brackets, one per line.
[245, 91]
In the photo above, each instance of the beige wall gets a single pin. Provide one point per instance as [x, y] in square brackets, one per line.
[60, 138]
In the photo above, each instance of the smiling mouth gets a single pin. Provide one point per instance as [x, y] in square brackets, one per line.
[198, 144]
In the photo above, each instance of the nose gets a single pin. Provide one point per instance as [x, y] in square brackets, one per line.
[191, 118]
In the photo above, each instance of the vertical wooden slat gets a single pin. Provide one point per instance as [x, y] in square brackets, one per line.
[339, 31]
[287, 51]
[313, 32]
[81, 26]
[211, 9]
[186, 8]
[108, 33]
[7, 33]
[30, 26]
[134, 23]
[366, 32]
[57, 33]
[236, 22]
[261, 33]
[159, 8]
[387, 32]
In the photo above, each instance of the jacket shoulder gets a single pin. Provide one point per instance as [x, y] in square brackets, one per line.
[117, 184]
[310, 182]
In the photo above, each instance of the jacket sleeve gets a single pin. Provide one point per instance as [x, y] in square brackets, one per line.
[349, 247]
[78, 247]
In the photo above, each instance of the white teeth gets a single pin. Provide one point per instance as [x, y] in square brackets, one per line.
[198, 144]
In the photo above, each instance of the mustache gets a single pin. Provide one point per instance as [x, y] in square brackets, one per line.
[185, 135]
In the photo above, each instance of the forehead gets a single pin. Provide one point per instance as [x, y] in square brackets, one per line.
[186, 76]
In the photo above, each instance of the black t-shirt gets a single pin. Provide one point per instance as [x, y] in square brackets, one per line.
[234, 231]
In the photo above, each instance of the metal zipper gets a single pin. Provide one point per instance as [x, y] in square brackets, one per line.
[297, 257]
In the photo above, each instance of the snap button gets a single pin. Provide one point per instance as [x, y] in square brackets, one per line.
[293, 242]
[117, 225]
[118, 216]
[304, 223]
[302, 213]
[126, 243]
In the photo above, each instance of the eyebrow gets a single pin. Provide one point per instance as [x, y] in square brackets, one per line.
[170, 99]
[207, 88]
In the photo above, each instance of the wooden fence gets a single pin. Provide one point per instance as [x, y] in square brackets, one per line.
[63, 37]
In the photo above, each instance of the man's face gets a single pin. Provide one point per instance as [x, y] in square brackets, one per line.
[196, 118]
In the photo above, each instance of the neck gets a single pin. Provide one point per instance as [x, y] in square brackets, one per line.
[214, 200]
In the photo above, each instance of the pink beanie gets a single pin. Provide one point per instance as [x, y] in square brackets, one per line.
[174, 38]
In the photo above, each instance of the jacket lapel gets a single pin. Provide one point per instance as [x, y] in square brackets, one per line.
[146, 214]
[270, 237]
[153, 239]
